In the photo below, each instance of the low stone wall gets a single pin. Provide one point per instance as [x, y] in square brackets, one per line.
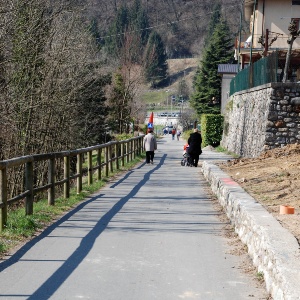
[274, 250]
[262, 118]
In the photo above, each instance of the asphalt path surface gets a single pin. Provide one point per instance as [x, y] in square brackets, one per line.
[152, 233]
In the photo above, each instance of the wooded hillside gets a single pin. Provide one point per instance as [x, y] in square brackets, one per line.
[182, 24]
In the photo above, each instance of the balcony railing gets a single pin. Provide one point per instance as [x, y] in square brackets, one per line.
[261, 72]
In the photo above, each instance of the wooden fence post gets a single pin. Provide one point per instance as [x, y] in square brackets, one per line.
[141, 145]
[99, 153]
[3, 198]
[111, 168]
[117, 148]
[51, 180]
[79, 173]
[106, 161]
[90, 167]
[134, 149]
[138, 147]
[67, 176]
[29, 187]
[122, 153]
[127, 151]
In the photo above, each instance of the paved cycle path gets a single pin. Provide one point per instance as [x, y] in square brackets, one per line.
[152, 233]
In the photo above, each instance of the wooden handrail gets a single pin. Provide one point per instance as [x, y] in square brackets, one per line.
[112, 151]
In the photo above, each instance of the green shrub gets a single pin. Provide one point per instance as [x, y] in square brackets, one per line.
[211, 129]
[123, 136]
[186, 134]
[229, 105]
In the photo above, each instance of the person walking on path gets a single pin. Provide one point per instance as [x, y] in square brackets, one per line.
[173, 133]
[178, 133]
[150, 146]
[195, 141]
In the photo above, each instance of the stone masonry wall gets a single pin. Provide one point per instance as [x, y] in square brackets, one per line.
[262, 118]
[274, 250]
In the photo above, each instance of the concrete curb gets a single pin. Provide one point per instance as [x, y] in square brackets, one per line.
[274, 250]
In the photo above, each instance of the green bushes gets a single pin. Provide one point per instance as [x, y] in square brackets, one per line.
[123, 136]
[211, 129]
[186, 134]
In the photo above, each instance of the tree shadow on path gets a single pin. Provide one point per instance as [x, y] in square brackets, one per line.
[50, 286]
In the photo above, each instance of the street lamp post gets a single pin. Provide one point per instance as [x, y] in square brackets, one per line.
[167, 91]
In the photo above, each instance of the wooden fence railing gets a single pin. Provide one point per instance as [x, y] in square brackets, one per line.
[109, 155]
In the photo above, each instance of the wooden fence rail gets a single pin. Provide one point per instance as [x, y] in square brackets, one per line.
[114, 153]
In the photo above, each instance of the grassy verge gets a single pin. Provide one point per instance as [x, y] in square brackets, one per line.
[223, 150]
[159, 96]
[186, 134]
[21, 228]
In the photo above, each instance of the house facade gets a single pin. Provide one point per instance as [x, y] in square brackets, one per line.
[263, 108]
[227, 71]
[268, 29]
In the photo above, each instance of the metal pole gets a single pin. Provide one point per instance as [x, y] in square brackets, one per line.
[252, 35]
[240, 37]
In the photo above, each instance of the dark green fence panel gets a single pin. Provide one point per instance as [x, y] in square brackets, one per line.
[259, 73]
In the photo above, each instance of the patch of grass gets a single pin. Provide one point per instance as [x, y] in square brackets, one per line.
[260, 276]
[186, 134]
[229, 105]
[3, 247]
[223, 150]
[155, 96]
[21, 227]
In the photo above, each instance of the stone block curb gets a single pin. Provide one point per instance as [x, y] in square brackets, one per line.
[274, 250]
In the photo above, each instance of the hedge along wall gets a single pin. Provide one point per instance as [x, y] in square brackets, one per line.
[211, 129]
[262, 118]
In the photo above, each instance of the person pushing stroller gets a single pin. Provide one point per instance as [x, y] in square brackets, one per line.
[195, 141]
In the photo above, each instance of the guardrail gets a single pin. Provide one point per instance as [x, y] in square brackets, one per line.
[113, 154]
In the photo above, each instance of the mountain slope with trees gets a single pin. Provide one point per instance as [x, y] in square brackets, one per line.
[182, 24]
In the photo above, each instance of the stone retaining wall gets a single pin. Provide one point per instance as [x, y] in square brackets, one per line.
[262, 118]
[274, 250]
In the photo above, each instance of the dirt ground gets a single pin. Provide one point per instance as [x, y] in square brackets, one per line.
[273, 179]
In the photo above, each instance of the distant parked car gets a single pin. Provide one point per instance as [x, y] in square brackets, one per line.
[168, 129]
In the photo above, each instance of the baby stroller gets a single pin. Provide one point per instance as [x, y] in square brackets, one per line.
[186, 160]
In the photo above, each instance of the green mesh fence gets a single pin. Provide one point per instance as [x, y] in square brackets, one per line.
[259, 73]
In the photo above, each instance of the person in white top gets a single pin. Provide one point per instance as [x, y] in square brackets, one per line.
[178, 133]
[150, 146]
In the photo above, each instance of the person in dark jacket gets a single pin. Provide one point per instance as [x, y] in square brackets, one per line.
[195, 141]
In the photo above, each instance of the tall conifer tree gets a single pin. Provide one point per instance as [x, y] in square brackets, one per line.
[155, 59]
[214, 20]
[207, 82]
[115, 39]
[131, 23]
[139, 21]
